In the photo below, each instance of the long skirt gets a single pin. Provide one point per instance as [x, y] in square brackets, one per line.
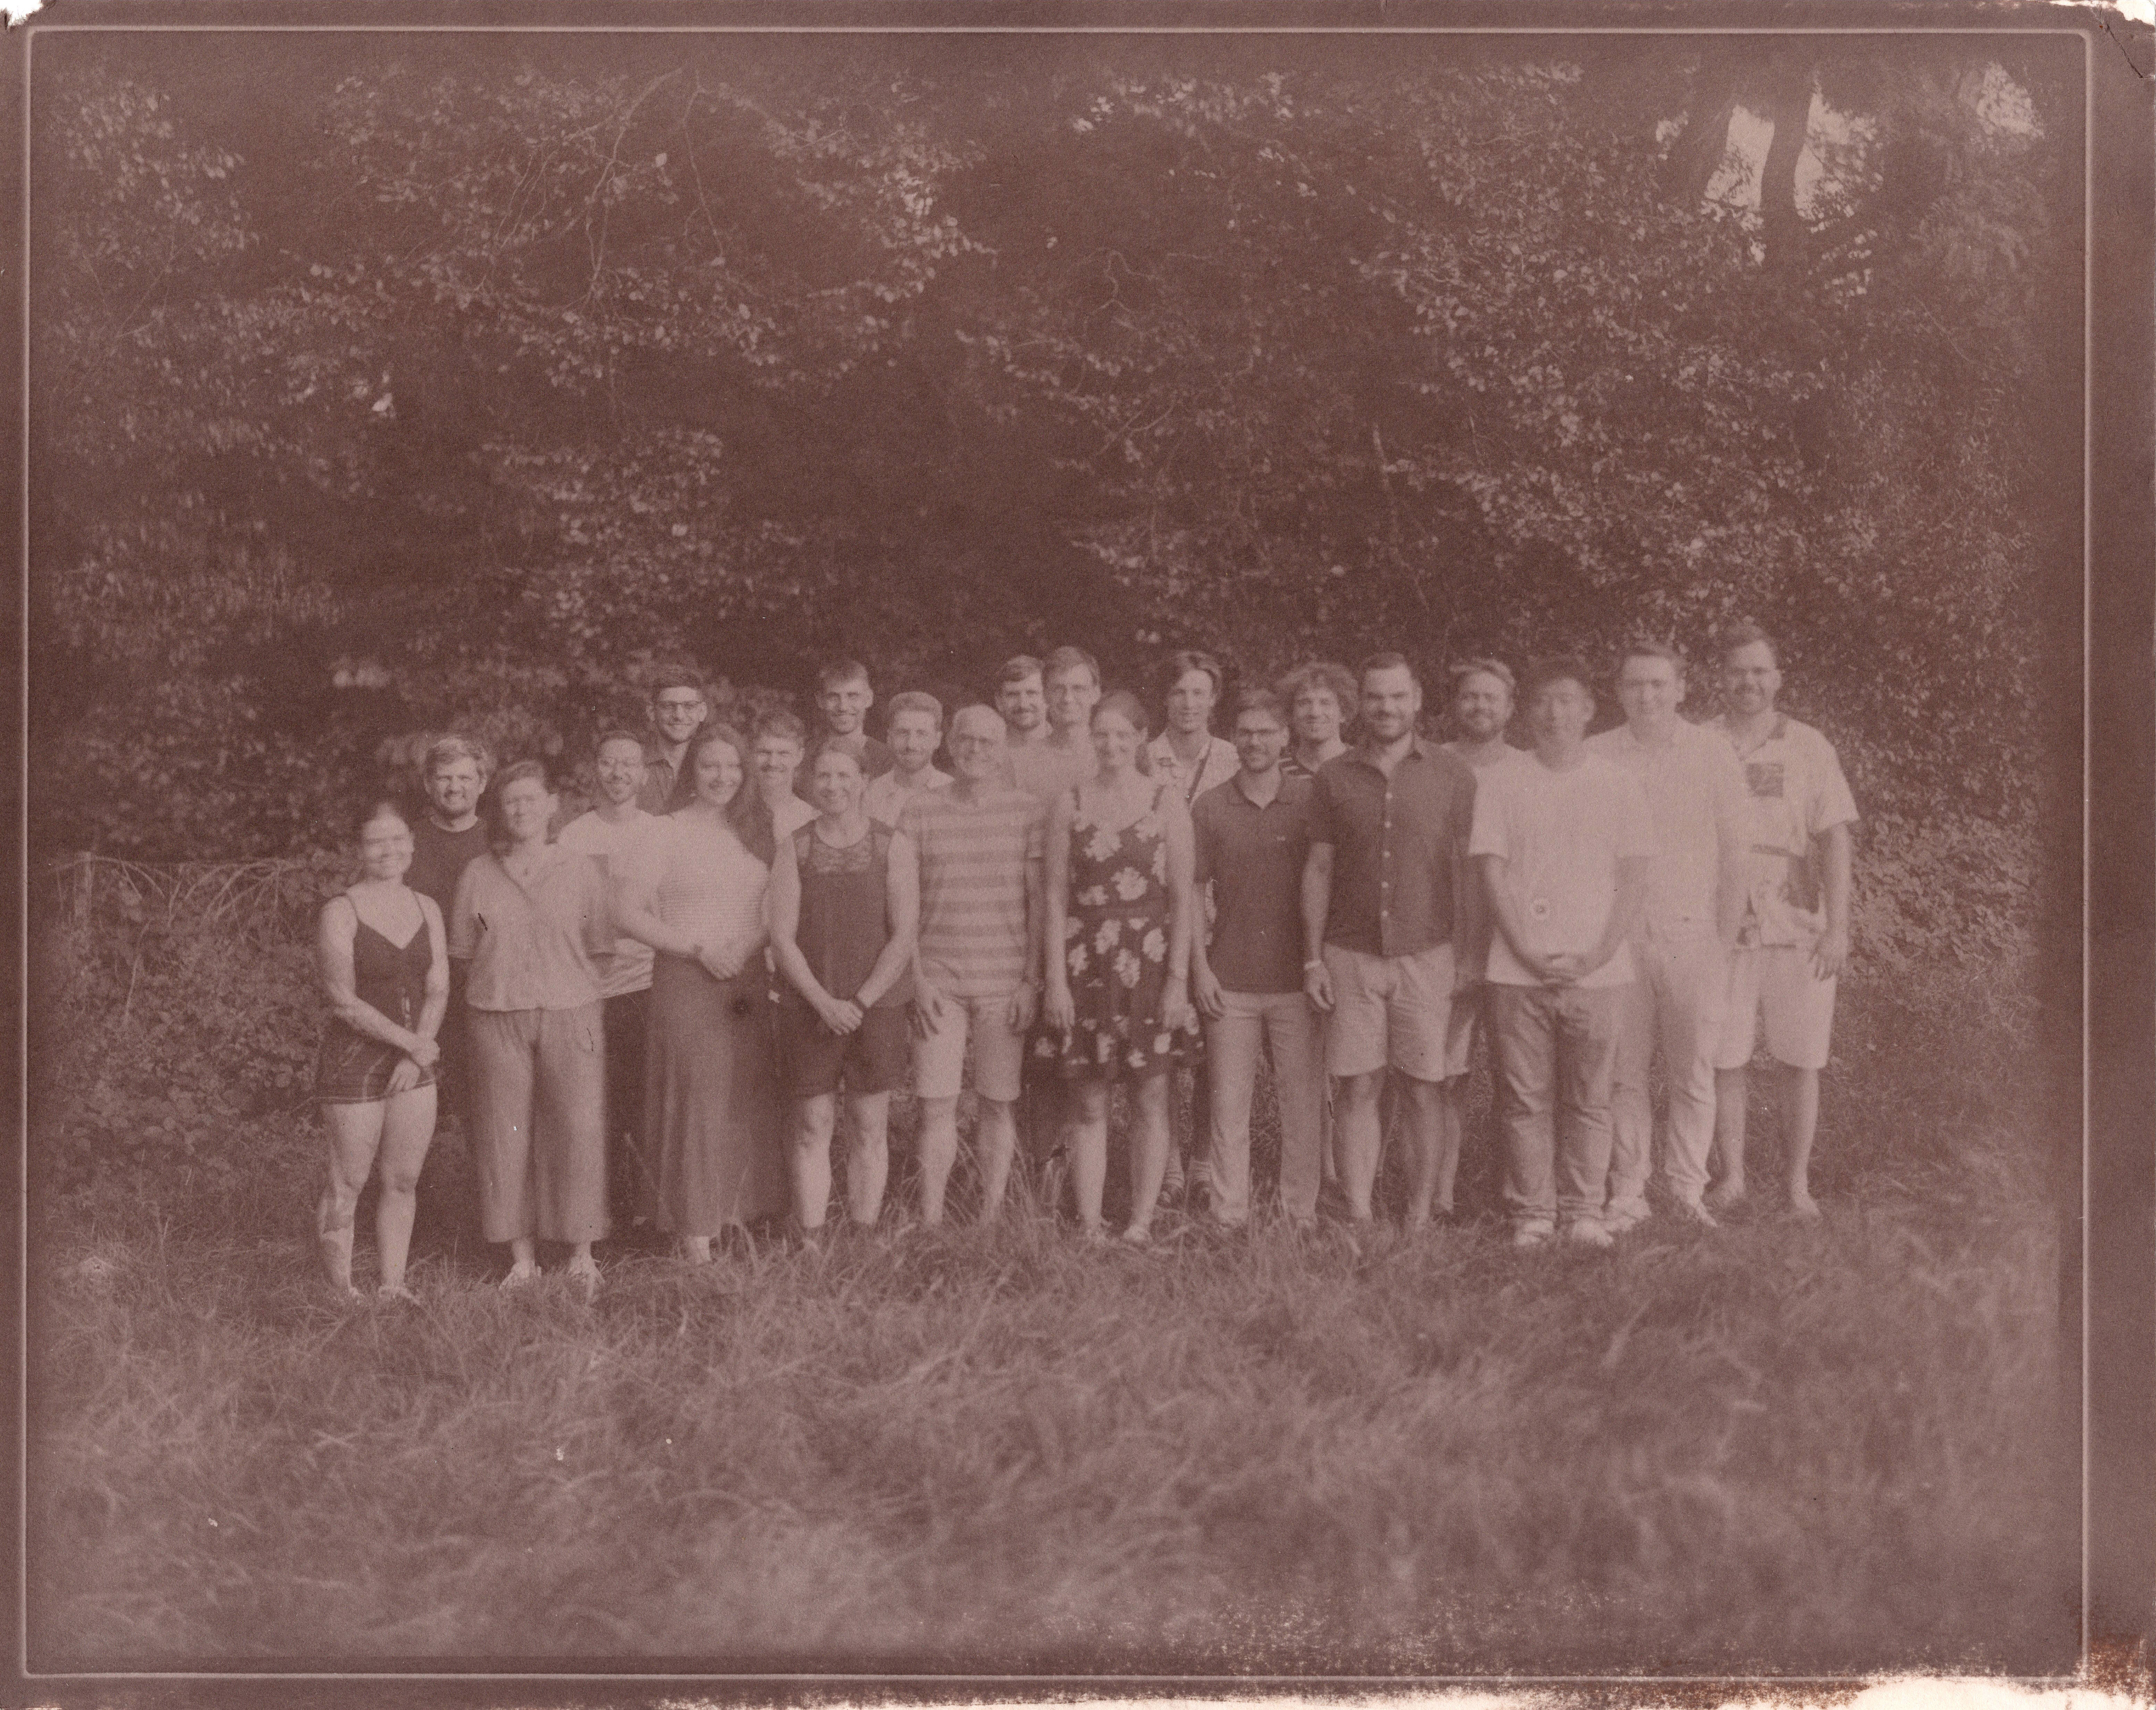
[711, 1108]
[538, 1086]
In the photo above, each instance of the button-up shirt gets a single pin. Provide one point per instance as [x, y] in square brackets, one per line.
[664, 788]
[537, 947]
[1216, 764]
[1695, 794]
[1397, 843]
[1795, 793]
[1253, 855]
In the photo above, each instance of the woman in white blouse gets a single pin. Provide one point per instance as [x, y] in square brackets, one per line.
[711, 1108]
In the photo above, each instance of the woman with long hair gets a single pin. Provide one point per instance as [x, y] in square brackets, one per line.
[1119, 927]
[385, 966]
[535, 920]
[710, 1092]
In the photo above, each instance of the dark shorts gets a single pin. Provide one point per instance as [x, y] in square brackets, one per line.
[353, 1069]
[877, 1057]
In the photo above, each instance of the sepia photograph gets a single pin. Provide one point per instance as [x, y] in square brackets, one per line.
[1094, 844]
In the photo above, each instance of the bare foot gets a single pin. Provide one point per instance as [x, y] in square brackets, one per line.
[396, 1291]
[584, 1271]
[696, 1250]
[1136, 1236]
[520, 1274]
[1802, 1205]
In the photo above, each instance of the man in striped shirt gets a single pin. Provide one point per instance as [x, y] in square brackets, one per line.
[979, 844]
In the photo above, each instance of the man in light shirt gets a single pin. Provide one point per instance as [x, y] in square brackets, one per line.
[1064, 756]
[1482, 691]
[1563, 843]
[1696, 792]
[617, 831]
[1793, 933]
[915, 733]
[775, 755]
[843, 696]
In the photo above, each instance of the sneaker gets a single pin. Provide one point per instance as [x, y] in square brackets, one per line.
[1589, 1235]
[1693, 1212]
[1531, 1234]
[1617, 1222]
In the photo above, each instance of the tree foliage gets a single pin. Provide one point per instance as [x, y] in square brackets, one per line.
[424, 386]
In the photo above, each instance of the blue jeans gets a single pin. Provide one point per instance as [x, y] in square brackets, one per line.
[1556, 1048]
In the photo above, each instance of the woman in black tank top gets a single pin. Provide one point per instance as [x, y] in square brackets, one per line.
[386, 970]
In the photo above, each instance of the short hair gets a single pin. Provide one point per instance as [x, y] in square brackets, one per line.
[515, 772]
[1324, 674]
[1495, 668]
[1385, 662]
[1122, 700]
[1651, 647]
[838, 745]
[676, 675]
[780, 721]
[1261, 700]
[448, 750]
[1183, 663]
[1003, 730]
[914, 701]
[1555, 669]
[617, 734]
[1018, 668]
[836, 673]
[1064, 658]
[1743, 635]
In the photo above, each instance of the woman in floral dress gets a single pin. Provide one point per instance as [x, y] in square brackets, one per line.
[1119, 904]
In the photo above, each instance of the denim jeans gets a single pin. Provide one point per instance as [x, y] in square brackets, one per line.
[1556, 1048]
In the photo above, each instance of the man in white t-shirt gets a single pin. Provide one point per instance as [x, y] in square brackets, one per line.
[1563, 843]
[780, 744]
[916, 731]
[1695, 794]
[619, 831]
[1793, 933]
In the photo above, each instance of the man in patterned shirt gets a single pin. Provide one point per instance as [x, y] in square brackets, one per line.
[1793, 934]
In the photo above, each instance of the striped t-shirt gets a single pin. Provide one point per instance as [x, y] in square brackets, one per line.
[974, 856]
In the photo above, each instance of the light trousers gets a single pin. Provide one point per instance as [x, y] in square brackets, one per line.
[538, 1084]
[1284, 1023]
[1676, 1006]
[1556, 1049]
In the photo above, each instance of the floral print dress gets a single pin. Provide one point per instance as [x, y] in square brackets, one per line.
[1115, 950]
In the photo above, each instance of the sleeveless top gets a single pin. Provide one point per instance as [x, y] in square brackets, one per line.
[846, 913]
[390, 979]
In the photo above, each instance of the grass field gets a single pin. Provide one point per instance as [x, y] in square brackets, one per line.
[1776, 1447]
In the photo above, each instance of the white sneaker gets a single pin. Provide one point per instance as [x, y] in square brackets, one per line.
[1530, 1235]
[1589, 1235]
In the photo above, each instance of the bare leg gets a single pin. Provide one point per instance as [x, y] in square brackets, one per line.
[938, 1149]
[1088, 1143]
[407, 1127]
[523, 1261]
[995, 1143]
[1732, 1086]
[1454, 1138]
[355, 1136]
[1355, 1138]
[868, 1160]
[1149, 1144]
[1421, 1104]
[808, 1157]
[1799, 1108]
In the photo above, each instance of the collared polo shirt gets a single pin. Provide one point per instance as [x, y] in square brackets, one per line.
[1397, 844]
[537, 947]
[1696, 792]
[1254, 856]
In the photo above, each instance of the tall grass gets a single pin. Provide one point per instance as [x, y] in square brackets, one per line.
[1775, 1447]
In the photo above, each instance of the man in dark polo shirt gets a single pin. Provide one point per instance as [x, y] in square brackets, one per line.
[1389, 821]
[679, 708]
[1253, 838]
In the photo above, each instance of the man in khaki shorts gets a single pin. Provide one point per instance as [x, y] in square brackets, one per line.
[1695, 794]
[1389, 826]
[1481, 710]
[1792, 935]
[977, 962]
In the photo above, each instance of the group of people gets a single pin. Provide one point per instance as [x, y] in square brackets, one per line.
[653, 1014]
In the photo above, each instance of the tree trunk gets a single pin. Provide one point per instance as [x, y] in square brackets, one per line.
[1703, 144]
[1790, 107]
